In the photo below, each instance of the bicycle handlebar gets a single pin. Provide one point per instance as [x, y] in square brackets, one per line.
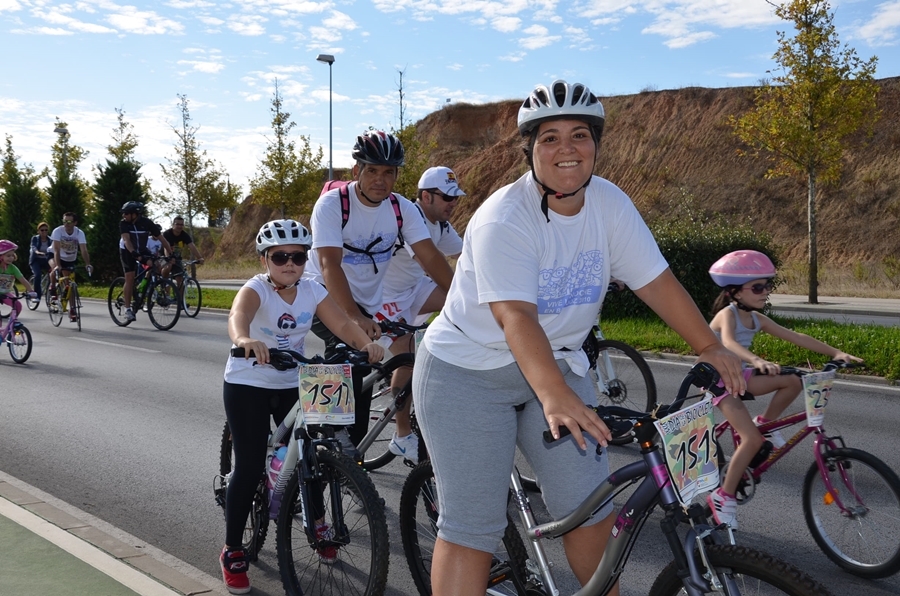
[288, 359]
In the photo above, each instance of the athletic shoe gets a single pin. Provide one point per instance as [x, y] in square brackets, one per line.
[327, 554]
[406, 447]
[234, 570]
[129, 316]
[347, 446]
[724, 508]
[774, 436]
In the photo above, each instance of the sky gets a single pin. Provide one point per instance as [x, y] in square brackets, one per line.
[79, 61]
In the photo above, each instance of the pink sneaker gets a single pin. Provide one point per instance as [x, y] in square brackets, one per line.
[234, 570]
[327, 554]
[724, 508]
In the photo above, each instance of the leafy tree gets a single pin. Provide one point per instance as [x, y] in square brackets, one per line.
[288, 176]
[197, 179]
[809, 113]
[66, 191]
[124, 140]
[415, 159]
[21, 206]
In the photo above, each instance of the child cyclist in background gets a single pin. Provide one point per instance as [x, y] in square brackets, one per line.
[9, 275]
[745, 277]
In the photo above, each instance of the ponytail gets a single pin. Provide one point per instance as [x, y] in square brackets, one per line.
[724, 299]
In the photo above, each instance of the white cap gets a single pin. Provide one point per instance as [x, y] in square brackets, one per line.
[442, 179]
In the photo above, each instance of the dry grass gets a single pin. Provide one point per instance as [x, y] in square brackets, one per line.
[863, 280]
[229, 269]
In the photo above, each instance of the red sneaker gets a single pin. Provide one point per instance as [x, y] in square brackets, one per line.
[234, 570]
[327, 554]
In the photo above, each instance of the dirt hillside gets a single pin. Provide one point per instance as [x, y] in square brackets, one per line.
[664, 145]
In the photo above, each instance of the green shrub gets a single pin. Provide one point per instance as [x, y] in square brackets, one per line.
[691, 241]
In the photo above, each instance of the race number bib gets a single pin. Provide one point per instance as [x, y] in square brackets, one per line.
[817, 389]
[326, 394]
[6, 283]
[690, 448]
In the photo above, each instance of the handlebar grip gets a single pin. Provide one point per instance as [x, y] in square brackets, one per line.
[563, 432]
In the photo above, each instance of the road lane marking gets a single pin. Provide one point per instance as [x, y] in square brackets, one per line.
[123, 346]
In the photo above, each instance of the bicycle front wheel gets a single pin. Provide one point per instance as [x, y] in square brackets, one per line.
[192, 297]
[418, 531]
[358, 559]
[256, 528]
[55, 308]
[35, 302]
[378, 454]
[19, 342]
[744, 571]
[164, 304]
[75, 305]
[864, 538]
[115, 301]
[623, 378]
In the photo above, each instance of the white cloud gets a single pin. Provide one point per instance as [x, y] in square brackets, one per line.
[203, 66]
[43, 31]
[339, 20]
[250, 24]
[513, 57]
[325, 34]
[506, 24]
[9, 5]
[252, 96]
[142, 22]
[214, 21]
[539, 37]
[739, 75]
[189, 4]
[689, 39]
[455, 66]
[882, 29]
[56, 17]
[322, 95]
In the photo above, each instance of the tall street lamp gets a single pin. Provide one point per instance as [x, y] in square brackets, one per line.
[63, 133]
[329, 60]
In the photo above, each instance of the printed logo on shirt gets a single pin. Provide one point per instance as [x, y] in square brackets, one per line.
[380, 252]
[560, 287]
[287, 321]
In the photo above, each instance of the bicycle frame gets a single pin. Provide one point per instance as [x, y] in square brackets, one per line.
[398, 403]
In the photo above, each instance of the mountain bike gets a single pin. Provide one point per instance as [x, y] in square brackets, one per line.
[191, 294]
[153, 293]
[16, 335]
[316, 484]
[705, 558]
[851, 499]
[66, 300]
[33, 302]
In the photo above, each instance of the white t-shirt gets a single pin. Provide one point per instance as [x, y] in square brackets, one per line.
[404, 271]
[279, 325]
[511, 252]
[68, 243]
[364, 226]
[154, 246]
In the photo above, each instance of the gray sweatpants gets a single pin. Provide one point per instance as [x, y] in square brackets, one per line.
[471, 427]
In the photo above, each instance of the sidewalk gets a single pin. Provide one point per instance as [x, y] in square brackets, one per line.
[879, 311]
[49, 551]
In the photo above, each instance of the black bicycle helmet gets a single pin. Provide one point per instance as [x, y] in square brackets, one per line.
[378, 148]
[132, 207]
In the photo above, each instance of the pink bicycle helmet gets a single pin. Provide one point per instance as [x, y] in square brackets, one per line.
[6, 246]
[738, 267]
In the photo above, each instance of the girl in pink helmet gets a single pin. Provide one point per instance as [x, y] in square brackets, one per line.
[745, 277]
[9, 275]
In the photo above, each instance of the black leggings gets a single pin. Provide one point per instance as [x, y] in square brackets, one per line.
[248, 410]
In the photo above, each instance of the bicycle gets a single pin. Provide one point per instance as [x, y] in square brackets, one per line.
[705, 558]
[159, 297]
[16, 335]
[851, 499]
[33, 302]
[66, 300]
[316, 482]
[191, 294]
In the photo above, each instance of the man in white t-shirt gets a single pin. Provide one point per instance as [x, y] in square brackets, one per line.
[409, 294]
[68, 239]
[354, 231]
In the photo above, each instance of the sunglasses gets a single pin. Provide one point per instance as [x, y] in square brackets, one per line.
[760, 288]
[65, 221]
[447, 198]
[280, 259]
[43, 229]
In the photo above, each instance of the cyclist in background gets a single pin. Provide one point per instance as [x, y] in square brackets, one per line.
[67, 239]
[9, 275]
[410, 295]
[40, 254]
[503, 359]
[273, 310]
[180, 240]
[355, 229]
[135, 230]
[746, 279]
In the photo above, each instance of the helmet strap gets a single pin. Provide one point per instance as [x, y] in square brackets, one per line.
[360, 191]
[549, 191]
[738, 303]
[275, 286]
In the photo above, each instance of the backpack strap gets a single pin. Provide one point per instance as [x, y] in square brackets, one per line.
[345, 205]
[396, 205]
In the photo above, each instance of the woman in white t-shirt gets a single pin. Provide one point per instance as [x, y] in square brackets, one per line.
[503, 360]
[272, 310]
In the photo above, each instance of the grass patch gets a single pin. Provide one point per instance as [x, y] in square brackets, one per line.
[878, 346]
[212, 298]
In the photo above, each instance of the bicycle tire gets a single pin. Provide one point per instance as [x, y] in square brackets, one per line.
[361, 566]
[55, 309]
[75, 305]
[753, 572]
[872, 493]
[32, 303]
[256, 528]
[163, 304]
[115, 301]
[19, 342]
[192, 297]
[418, 531]
[378, 454]
[623, 383]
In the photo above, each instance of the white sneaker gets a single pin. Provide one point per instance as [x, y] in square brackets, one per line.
[406, 447]
[129, 316]
[724, 508]
[347, 446]
[773, 436]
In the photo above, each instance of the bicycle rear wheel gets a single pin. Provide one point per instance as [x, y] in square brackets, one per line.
[75, 305]
[623, 378]
[256, 528]
[33, 303]
[164, 304]
[115, 301]
[865, 538]
[418, 531]
[19, 342]
[378, 455]
[744, 571]
[55, 308]
[360, 542]
[192, 297]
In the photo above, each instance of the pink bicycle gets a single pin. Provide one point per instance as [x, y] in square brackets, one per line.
[16, 335]
[851, 499]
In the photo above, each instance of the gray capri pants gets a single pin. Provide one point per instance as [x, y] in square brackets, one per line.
[471, 427]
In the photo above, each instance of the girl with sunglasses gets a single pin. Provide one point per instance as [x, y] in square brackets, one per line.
[745, 277]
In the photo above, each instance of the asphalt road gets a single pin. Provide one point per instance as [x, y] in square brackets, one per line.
[124, 423]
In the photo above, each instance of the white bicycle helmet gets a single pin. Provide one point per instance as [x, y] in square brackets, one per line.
[560, 100]
[280, 232]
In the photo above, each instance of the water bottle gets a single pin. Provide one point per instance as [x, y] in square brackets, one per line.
[142, 285]
[276, 460]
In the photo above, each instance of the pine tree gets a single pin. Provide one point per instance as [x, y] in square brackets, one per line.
[117, 183]
[21, 206]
